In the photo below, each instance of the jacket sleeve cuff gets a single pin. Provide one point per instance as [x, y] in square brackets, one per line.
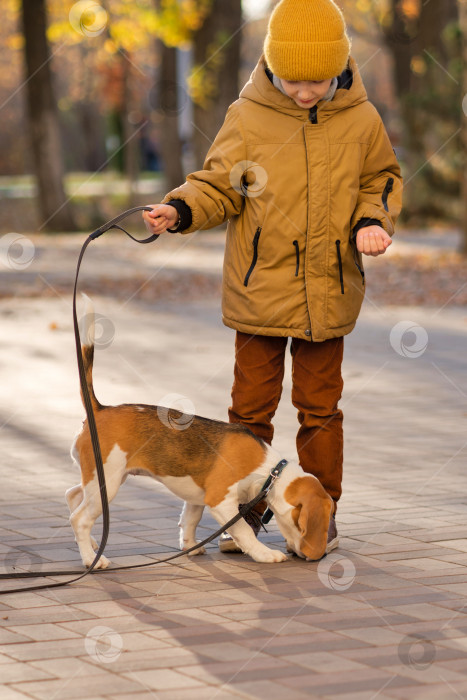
[184, 213]
[365, 222]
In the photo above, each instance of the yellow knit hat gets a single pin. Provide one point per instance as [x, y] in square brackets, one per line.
[307, 40]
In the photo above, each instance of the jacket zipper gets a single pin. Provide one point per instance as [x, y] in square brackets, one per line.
[386, 192]
[255, 256]
[339, 260]
[314, 115]
[297, 256]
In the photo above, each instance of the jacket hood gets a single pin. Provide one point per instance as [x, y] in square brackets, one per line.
[260, 89]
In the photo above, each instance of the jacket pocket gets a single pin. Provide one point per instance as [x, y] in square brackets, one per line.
[297, 257]
[255, 256]
[339, 260]
[386, 192]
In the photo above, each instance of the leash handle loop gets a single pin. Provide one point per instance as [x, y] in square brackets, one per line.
[116, 220]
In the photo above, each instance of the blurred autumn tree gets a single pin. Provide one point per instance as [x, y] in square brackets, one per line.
[108, 79]
[176, 25]
[107, 98]
[213, 31]
[424, 40]
[138, 72]
[167, 101]
[44, 128]
[89, 60]
[213, 82]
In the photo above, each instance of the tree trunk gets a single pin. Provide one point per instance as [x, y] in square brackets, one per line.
[463, 25]
[428, 95]
[168, 109]
[217, 62]
[165, 101]
[93, 146]
[54, 209]
[131, 138]
[415, 36]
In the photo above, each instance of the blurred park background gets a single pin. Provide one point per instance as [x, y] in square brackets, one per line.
[109, 104]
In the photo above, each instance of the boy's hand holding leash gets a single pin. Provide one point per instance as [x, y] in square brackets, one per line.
[373, 240]
[161, 218]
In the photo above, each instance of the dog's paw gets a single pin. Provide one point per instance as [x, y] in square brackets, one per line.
[188, 545]
[102, 563]
[278, 556]
[270, 556]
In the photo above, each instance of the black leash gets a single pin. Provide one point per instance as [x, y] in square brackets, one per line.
[79, 574]
[246, 508]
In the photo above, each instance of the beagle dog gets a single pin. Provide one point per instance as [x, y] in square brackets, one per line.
[204, 462]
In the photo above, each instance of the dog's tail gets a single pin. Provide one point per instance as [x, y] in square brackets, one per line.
[87, 330]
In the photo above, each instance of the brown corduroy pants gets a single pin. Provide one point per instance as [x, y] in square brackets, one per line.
[316, 390]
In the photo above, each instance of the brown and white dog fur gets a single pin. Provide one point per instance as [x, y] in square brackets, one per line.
[207, 463]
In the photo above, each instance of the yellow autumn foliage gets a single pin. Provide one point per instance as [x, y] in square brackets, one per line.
[130, 24]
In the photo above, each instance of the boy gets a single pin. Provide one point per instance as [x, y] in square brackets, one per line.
[304, 172]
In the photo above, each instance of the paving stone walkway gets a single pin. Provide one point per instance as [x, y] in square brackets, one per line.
[383, 617]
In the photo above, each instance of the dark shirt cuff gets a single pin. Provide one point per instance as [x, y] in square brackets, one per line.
[362, 223]
[184, 212]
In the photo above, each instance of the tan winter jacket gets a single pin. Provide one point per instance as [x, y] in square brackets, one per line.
[293, 191]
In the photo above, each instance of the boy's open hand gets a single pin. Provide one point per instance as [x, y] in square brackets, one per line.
[373, 240]
[162, 217]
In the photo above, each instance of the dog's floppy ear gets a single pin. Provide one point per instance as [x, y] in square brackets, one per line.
[313, 508]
